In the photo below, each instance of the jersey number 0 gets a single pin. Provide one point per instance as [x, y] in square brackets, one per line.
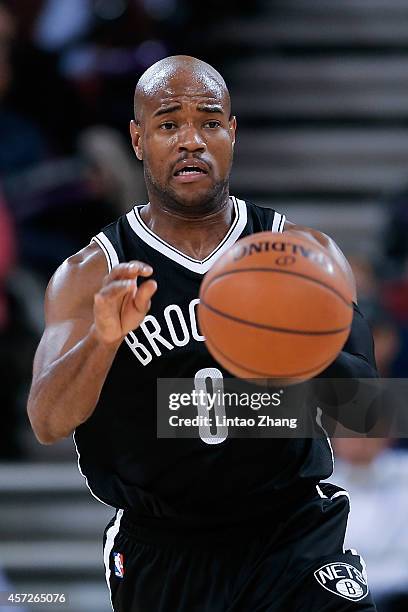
[216, 391]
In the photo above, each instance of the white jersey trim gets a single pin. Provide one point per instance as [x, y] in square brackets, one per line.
[201, 267]
[339, 493]
[109, 544]
[362, 562]
[107, 248]
[278, 222]
[319, 413]
[320, 492]
[82, 474]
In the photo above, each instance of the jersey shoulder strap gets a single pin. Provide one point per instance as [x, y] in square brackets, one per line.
[265, 219]
[110, 241]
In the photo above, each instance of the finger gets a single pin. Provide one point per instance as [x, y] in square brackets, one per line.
[130, 270]
[144, 295]
[115, 290]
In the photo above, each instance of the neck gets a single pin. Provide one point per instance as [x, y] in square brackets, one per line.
[195, 234]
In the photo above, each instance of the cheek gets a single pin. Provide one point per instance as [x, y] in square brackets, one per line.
[156, 153]
[223, 152]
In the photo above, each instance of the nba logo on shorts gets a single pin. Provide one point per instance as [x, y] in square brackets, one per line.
[119, 569]
[342, 579]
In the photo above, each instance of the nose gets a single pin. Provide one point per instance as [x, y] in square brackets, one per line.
[191, 140]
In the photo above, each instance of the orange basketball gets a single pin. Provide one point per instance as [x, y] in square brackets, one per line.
[275, 306]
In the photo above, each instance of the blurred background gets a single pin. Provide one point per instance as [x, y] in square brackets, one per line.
[321, 94]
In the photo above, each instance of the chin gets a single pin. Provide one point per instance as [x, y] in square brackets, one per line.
[194, 198]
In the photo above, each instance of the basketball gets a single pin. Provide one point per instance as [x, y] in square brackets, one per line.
[275, 306]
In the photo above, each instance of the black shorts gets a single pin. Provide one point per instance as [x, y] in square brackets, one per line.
[298, 565]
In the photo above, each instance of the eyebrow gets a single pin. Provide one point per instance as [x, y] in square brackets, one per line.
[205, 108]
[210, 108]
[167, 109]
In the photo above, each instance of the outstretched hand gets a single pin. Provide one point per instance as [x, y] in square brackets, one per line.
[120, 305]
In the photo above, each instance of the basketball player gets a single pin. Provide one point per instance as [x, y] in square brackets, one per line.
[240, 526]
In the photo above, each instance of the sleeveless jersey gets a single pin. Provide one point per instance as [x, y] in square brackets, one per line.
[183, 481]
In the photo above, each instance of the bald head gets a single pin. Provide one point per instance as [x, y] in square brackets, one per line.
[183, 112]
[175, 73]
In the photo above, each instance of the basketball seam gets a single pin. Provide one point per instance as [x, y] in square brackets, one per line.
[284, 330]
[266, 375]
[313, 280]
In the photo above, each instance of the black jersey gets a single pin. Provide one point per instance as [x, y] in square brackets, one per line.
[182, 480]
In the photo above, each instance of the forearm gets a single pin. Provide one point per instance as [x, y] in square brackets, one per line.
[342, 394]
[348, 365]
[357, 359]
[65, 393]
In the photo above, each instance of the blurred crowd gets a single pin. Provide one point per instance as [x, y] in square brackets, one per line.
[375, 474]
[374, 471]
[68, 69]
[67, 74]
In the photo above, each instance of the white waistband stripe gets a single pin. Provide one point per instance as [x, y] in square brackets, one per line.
[110, 541]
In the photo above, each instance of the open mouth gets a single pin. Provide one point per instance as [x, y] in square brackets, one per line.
[189, 170]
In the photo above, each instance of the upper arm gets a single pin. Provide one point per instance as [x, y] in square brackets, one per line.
[332, 248]
[69, 305]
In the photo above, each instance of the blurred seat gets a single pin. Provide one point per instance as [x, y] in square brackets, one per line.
[51, 534]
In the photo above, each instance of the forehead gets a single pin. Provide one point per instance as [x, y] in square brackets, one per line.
[183, 87]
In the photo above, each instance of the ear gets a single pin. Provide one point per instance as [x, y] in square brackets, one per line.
[233, 129]
[135, 134]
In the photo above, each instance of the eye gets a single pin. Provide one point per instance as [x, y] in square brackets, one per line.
[167, 125]
[212, 124]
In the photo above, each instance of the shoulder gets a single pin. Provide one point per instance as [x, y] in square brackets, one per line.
[315, 235]
[329, 244]
[310, 232]
[84, 265]
[76, 281]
